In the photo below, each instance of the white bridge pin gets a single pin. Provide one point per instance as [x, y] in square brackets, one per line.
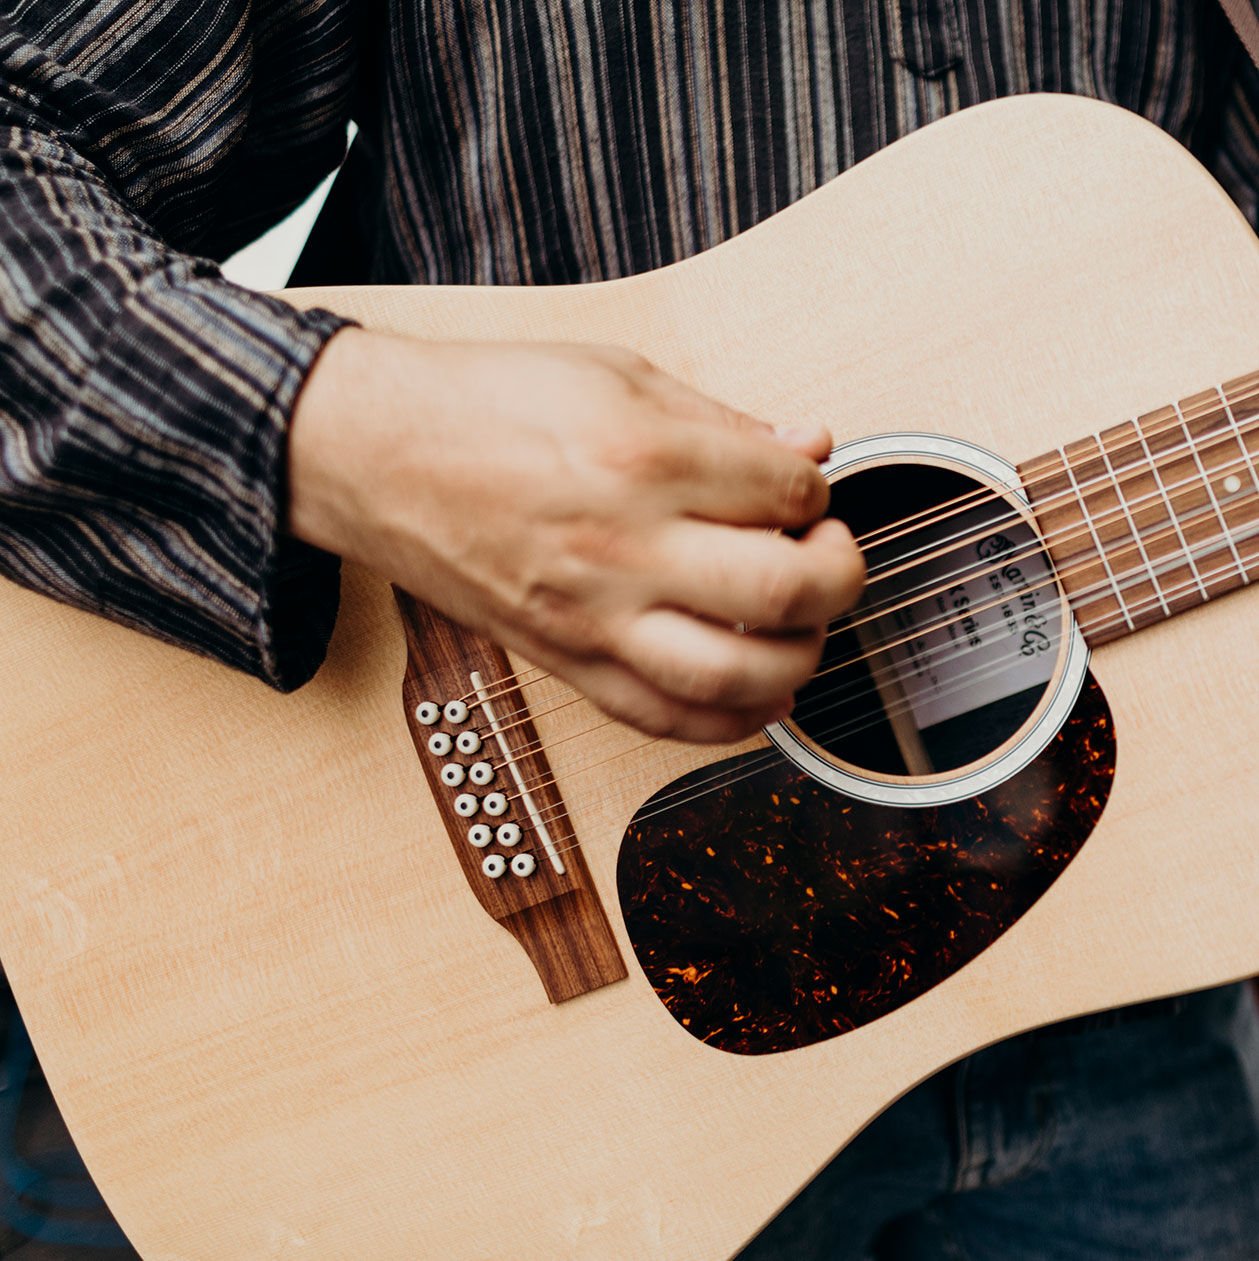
[508, 834]
[523, 865]
[453, 774]
[494, 865]
[480, 835]
[495, 804]
[440, 743]
[426, 712]
[455, 711]
[466, 805]
[468, 742]
[481, 773]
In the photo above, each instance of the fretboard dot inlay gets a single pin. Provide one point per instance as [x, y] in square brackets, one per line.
[1156, 515]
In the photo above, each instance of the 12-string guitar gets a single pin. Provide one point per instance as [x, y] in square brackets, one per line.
[431, 960]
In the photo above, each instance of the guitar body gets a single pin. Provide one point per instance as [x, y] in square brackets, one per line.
[276, 1017]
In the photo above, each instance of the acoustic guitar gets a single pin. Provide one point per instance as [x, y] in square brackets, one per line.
[430, 960]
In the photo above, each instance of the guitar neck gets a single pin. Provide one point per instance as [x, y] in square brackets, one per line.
[1156, 515]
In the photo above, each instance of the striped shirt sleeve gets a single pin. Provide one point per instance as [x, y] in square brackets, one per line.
[145, 400]
[1235, 162]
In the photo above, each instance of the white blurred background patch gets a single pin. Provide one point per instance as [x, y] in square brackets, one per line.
[267, 262]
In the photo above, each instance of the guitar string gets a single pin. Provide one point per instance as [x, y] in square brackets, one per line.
[762, 758]
[976, 533]
[986, 566]
[759, 760]
[1215, 545]
[1135, 576]
[983, 494]
[1184, 588]
[1137, 570]
[1172, 423]
[808, 711]
[1102, 589]
[1109, 516]
[1123, 507]
[1033, 548]
[907, 702]
[850, 726]
[859, 690]
[890, 673]
[1207, 510]
[769, 756]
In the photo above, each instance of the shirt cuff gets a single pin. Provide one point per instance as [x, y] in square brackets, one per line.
[197, 384]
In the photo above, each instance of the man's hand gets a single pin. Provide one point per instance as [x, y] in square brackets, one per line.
[585, 509]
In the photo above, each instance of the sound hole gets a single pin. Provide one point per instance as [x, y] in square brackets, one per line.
[957, 635]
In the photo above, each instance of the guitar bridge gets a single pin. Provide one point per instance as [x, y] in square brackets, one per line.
[504, 814]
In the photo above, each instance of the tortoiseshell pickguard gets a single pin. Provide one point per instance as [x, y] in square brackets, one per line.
[774, 912]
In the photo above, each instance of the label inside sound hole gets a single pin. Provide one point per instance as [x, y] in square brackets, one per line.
[957, 637]
[971, 619]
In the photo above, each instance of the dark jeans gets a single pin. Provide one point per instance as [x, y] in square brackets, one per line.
[1133, 1136]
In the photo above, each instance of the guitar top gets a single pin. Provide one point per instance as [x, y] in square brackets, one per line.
[431, 960]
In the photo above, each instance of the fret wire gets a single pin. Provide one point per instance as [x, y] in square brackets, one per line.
[995, 602]
[1054, 499]
[1208, 547]
[943, 546]
[940, 547]
[1132, 525]
[1206, 481]
[1237, 434]
[979, 495]
[1101, 550]
[1184, 546]
[1066, 534]
[1078, 568]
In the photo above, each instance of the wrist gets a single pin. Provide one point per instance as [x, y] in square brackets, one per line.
[328, 441]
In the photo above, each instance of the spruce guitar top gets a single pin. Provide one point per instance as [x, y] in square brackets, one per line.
[259, 940]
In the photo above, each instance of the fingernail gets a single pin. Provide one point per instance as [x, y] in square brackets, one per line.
[805, 436]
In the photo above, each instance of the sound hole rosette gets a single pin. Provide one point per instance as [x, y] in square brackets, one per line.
[1059, 695]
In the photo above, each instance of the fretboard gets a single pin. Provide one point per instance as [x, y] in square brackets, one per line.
[1157, 515]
